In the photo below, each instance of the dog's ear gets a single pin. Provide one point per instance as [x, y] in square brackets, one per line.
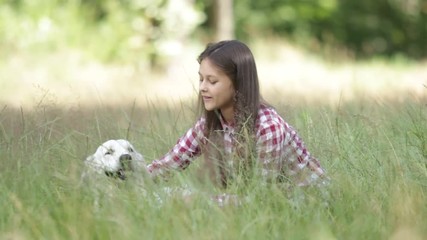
[88, 168]
[90, 162]
[92, 165]
[90, 159]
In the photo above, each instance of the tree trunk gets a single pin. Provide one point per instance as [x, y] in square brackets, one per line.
[224, 20]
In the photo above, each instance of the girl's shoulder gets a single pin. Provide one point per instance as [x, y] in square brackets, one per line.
[267, 115]
[267, 112]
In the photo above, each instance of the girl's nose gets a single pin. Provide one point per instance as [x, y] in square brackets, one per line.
[202, 86]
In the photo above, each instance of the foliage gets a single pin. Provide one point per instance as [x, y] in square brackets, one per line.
[146, 31]
[384, 27]
[111, 30]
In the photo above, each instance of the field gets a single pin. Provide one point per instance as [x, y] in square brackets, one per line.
[366, 122]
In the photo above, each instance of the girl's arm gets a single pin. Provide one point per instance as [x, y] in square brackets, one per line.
[181, 155]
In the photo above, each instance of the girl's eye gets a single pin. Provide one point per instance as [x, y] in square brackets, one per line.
[210, 81]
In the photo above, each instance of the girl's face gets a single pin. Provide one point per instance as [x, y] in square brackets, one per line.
[216, 89]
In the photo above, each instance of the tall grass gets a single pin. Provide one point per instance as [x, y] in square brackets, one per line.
[374, 153]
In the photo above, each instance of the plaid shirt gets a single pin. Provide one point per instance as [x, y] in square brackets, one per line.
[279, 148]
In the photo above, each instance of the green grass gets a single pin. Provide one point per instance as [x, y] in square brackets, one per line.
[375, 155]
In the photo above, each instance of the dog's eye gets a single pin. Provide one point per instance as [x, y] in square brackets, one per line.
[130, 149]
[109, 152]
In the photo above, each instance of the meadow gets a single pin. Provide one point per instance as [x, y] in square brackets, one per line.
[374, 152]
[366, 122]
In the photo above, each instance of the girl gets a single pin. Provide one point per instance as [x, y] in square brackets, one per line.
[238, 130]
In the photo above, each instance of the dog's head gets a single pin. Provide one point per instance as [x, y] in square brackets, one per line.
[116, 158]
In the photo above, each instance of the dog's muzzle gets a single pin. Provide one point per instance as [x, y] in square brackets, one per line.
[125, 166]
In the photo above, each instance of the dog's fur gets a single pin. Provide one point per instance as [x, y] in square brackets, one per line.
[115, 158]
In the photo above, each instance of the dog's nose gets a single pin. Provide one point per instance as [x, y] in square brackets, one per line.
[125, 158]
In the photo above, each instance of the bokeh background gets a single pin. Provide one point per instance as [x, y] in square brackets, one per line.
[109, 52]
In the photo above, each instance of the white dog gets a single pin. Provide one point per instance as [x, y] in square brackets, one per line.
[115, 158]
[118, 159]
[112, 160]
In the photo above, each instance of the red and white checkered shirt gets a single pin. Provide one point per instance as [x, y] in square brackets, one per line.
[279, 148]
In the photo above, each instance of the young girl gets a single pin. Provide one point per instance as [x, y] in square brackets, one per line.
[238, 131]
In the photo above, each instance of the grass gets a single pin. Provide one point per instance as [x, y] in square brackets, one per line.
[375, 154]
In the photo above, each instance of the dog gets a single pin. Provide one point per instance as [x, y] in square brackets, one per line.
[113, 162]
[115, 159]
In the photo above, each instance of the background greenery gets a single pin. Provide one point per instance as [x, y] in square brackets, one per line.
[131, 30]
[365, 28]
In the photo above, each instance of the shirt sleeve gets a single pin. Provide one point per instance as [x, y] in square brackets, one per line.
[184, 151]
[282, 151]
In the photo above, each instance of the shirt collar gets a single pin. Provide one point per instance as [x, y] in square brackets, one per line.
[224, 124]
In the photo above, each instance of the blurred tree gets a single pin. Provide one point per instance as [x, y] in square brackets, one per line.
[224, 19]
[143, 31]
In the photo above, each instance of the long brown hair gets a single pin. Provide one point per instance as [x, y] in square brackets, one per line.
[236, 60]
